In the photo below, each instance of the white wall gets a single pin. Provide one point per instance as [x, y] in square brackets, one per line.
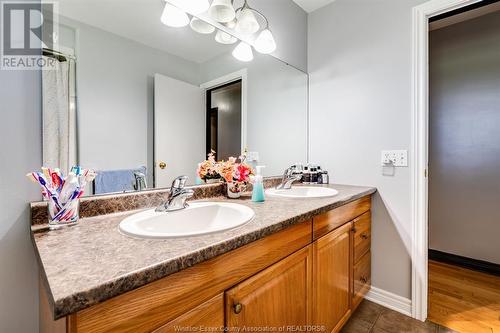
[464, 148]
[20, 153]
[360, 77]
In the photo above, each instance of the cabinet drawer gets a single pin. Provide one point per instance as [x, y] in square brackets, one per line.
[362, 278]
[324, 223]
[362, 236]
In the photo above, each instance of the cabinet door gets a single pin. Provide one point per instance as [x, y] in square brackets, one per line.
[208, 317]
[276, 297]
[332, 278]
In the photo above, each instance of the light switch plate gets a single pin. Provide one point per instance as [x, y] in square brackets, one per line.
[397, 158]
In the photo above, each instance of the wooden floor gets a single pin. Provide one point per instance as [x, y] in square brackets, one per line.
[463, 300]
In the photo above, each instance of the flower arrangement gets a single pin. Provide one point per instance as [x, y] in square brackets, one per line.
[235, 172]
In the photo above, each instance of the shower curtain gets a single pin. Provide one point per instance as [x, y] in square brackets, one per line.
[58, 117]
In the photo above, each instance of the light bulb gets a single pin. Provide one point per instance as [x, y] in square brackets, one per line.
[225, 38]
[247, 23]
[201, 27]
[197, 6]
[193, 7]
[222, 11]
[265, 42]
[174, 17]
[243, 52]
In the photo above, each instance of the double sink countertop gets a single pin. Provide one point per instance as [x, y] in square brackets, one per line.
[93, 261]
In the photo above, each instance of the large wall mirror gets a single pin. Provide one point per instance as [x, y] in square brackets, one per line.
[136, 99]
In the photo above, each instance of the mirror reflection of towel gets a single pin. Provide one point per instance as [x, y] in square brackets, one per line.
[112, 181]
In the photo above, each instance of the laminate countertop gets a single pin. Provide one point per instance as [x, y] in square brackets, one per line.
[93, 261]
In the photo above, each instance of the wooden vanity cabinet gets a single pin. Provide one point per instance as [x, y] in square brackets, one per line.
[341, 264]
[312, 273]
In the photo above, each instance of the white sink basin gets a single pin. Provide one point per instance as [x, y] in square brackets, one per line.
[303, 192]
[199, 218]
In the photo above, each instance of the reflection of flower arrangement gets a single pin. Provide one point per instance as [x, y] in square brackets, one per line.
[207, 170]
[232, 171]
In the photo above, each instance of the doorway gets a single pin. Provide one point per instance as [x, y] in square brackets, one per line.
[224, 115]
[422, 136]
[464, 168]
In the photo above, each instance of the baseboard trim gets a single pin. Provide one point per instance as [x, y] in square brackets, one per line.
[474, 264]
[389, 300]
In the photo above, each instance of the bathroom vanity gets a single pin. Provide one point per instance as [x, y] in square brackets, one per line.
[297, 263]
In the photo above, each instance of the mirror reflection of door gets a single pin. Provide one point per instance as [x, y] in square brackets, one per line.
[223, 129]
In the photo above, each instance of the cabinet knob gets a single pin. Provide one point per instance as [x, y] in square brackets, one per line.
[162, 165]
[237, 308]
[364, 236]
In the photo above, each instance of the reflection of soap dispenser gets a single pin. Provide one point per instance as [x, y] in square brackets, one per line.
[258, 185]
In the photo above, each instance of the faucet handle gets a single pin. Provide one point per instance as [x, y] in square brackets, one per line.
[179, 182]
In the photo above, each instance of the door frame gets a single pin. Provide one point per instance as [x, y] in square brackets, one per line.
[420, 146]
[228, 78]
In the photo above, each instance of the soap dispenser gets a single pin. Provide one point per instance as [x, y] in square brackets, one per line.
[258, 185]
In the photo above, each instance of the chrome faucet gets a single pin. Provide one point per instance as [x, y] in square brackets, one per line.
[177, 197]
[140, 181]
[291, 175]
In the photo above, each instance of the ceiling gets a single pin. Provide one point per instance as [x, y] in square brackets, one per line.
[311, 5]
[139, 20]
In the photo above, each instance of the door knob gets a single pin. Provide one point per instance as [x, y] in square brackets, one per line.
[162, 165]
[237, 308]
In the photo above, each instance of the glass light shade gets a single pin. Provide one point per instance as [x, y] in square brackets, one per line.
[265, 42]
[225, 38]
[243, 52]
[174, 17]
[231, 24]
[222, 11]
[201, 27]
[247, 23]
[197, 6]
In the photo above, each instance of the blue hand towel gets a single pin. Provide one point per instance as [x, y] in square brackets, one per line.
[112, 181]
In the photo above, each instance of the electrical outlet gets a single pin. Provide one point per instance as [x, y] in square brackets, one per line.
[253, 156]
[396, 158]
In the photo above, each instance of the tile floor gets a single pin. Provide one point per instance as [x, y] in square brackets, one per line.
[374, 318]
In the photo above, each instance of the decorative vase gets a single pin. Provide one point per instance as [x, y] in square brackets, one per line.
[234, 189]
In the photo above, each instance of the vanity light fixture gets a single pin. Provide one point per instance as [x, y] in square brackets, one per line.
[174, 17]
[201, 27]
[243, 52]
[265, 42]
[224, 38]
[246, 22]
[222, 11]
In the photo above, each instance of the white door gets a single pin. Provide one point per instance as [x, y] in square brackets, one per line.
[179, 123]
